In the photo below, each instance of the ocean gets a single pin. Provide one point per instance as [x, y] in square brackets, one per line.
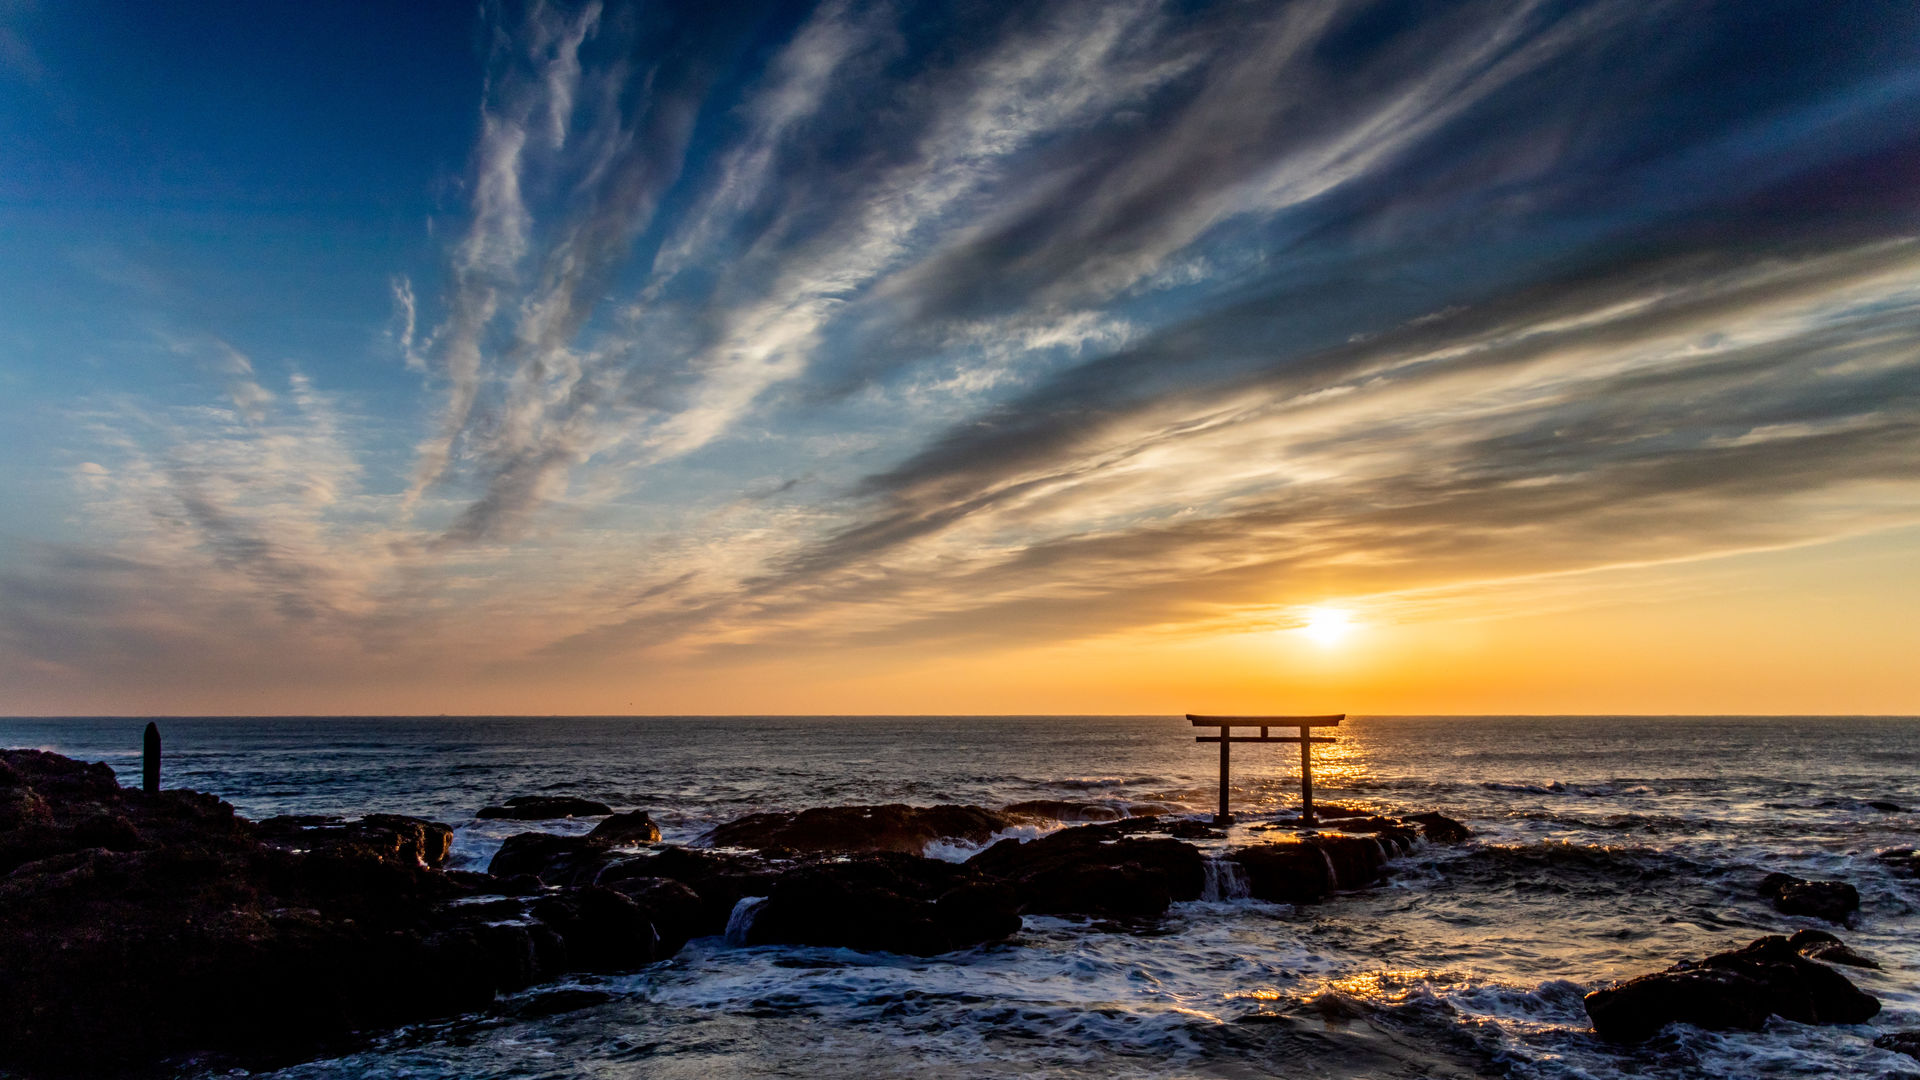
[1605, 847]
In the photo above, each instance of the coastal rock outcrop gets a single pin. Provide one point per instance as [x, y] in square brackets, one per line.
[1901, 861]
[1900, 1042]
[387, 837]
[1439, 828]
[635, 827]
[1737, 989]
[133, 926]
[1824, 947]
[1095, 870]
[884, 902]
[892, 827]
[545, 807]
[1829, 900]
[1300, 871]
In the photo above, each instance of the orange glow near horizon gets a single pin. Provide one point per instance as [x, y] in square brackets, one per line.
[1802, 631]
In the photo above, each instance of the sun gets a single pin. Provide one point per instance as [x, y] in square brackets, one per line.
[1327, 625]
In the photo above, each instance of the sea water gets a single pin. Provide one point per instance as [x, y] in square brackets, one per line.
[1605, 847]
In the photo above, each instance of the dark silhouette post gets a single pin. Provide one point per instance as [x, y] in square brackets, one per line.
[150, 761]
[1223, 817]
[1306, 739]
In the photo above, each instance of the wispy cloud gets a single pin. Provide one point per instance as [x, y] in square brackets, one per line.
[880, 324]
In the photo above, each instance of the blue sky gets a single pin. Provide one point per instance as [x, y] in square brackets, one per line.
[383, 356]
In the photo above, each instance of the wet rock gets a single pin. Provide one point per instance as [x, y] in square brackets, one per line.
[134, 927]
[603, 930]
[893, 827]
[1440, 829]
[676, 911]
[1887, 807]
[1327, 811]
[1395, 835]
[1305, 870]
[1822, 946]
[630, 828]
[554, 859]
[884, 903]
[1900, 1042]
[378, 836]
[544, 807]
[1737, 989]
[1901, 861]
[1829, 900]
[1286, 872]
[1095, 870]
[717, 880]
[1190, 829]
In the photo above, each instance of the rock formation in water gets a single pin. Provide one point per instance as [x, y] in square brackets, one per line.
[1829, 900]
[134, 926]
[1900, 1042]
[1737, 989]
[137, 926]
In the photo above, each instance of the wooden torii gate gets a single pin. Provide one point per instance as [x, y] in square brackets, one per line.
[1227, 738]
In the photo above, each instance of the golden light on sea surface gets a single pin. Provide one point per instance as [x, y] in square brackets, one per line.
[1327, 626]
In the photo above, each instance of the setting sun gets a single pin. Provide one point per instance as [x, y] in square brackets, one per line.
[1328, 626]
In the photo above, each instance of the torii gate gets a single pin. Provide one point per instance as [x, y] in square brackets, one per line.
[1227, 738]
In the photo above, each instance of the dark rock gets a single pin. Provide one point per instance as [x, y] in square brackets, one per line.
[1901, 861]
[1286, 872]
[1887, 807]
[893, 827]
[379, 836]
[603, 930]
[543, 807]
[1335, 811]
[1824, 947]
[677, 912]
[554, 859]
[717, 880]
[1306, 870]
[630, 828]
[1190, 829]
[1396, 836]
[884, 903]
[1738, 989]
[136, 926]
[1829, 900]
[1095, 870]
[1440, 829]
[1900, 1042]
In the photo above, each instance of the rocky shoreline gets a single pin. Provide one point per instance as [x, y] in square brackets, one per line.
[140, 927]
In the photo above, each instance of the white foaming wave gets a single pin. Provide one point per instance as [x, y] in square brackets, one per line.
[1064, 995]
[1088, 783]
[955, 850]
[1544, 1031]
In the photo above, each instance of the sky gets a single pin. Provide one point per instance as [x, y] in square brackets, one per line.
[1369, 356]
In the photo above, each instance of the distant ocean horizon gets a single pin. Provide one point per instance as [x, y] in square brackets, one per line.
[1606, 846]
